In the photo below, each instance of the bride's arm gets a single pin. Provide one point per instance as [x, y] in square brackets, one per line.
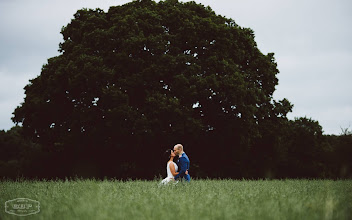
[172, 169]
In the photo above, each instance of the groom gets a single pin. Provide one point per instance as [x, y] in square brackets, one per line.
[183, 163]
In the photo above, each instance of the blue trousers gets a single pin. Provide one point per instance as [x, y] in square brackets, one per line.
[187, 178]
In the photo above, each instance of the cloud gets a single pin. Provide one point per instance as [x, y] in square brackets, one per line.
[11, 95]
[30, 35]
[318, 86]
[310, 39]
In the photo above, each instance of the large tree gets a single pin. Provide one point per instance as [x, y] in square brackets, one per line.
[145, 75]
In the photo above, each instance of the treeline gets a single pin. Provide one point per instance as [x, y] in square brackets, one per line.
[132, 82]
[296, 150]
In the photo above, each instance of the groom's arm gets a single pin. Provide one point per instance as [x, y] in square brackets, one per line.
[183, 165]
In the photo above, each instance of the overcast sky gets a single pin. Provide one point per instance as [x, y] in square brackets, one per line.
[311, 40]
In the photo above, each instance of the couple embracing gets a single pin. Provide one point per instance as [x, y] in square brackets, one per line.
[179, 170]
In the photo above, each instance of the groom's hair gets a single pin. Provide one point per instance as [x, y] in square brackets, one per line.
[179, 146]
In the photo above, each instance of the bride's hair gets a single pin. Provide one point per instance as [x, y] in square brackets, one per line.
[168, 153]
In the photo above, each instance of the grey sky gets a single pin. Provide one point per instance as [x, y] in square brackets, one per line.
[311, 41]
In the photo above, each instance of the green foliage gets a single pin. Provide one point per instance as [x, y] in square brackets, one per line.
[15, 152]
[141, 68]
[141, 77]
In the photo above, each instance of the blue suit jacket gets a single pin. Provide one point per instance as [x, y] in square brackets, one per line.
[183, 165]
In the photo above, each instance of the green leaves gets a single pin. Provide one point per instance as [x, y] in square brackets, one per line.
[152, 71]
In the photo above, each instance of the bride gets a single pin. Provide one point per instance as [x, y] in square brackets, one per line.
[171, 169]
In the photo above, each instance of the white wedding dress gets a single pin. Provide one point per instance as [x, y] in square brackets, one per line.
[169, 177]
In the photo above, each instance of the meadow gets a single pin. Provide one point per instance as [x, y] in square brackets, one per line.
[200, 199]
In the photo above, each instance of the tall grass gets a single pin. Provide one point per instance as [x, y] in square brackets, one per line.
[200, 199]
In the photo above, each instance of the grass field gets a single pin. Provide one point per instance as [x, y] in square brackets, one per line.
[201, 199]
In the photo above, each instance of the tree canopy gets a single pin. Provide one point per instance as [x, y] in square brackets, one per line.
[145, 75]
